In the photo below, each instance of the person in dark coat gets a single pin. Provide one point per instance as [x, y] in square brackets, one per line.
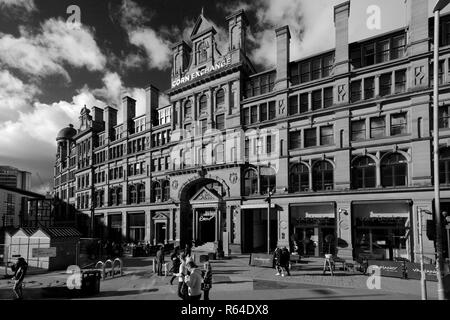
[174, 257]
[187, 250]
[285, 258]
[277, 258]
[20, 270]
[160, 260]
[207, 280]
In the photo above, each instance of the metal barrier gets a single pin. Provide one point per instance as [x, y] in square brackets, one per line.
[100, 265]
[105, 273]
[120, 267]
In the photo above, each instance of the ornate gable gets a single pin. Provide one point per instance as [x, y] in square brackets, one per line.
[202, 26]
[205, 195]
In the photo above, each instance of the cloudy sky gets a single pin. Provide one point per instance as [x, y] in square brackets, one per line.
[51, 65]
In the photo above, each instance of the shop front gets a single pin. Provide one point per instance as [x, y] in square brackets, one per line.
[254, 231]
[313, 228]
[381, 230]
[136, 227]
[160, 220]
[115, 227]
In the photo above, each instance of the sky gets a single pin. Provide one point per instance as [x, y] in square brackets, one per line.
[54, 61]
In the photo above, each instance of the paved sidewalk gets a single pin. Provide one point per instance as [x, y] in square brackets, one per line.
[232, 279]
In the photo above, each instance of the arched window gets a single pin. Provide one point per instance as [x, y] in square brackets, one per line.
[299, 178]
[219, 152]
[444, 166]
[119, 195]
[220, 98]
[165, 190]
[267, 180]
[323, 176]
[142, 193]
[156, 192]
[364, 173]
[394, 170]
[132, 194]
[250, 182]
[188, 109]
[203, 102]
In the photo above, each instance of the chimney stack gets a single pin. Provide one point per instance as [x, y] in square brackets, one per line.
[418, 27]
[129, 112]
[151, 104]
[283, 53]
[341, 15]
[237, 34]
[110, 114]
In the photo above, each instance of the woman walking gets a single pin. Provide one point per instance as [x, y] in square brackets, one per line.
[181, 275]
[193, 281]
[207, 280]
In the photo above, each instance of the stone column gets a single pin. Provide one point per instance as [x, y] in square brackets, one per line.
[105, 221]
[171, 222]
[124, 225]
[283, 226]
[344, 230]
[148, 230]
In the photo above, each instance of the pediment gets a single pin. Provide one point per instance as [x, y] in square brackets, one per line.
[205, 195]
[201, 26]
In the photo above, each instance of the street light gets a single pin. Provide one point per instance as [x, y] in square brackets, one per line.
[437, 205]
[269, 201]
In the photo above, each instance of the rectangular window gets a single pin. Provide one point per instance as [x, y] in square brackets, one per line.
[398, 124]
[326, 135]
[317, 99]
[264, 84]
[383, 54]
[327, 97]
[369, 88]
[355, 88]
[377, 127]
[295, 140]
[247, 148]
[268, 144]
[316, 67]
[400, 81]
[293, 105]
[295, 74]
[204, 125]
[444, 116]
[220, 122]
[310, 137]
[327, 65]
[358, 130]
[256, 87]
[398, 47]
[304, 72]
[385, 84]
[263, 112]
[246, 116]
[254, 114]
[304, 102]
[272, 110]
[369, 54]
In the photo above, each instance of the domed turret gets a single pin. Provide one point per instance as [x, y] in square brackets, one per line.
[66, 133]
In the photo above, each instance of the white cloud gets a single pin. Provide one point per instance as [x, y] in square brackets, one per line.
[15, 95]
[28, 5]
[157, 49]
[46, 53]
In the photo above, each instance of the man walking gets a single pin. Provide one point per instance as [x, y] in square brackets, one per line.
[194, 281]
[160, 260]
[20, 270]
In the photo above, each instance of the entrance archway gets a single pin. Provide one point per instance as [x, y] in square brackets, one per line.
[202, 211]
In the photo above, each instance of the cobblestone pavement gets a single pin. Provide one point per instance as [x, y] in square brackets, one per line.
[232, 279]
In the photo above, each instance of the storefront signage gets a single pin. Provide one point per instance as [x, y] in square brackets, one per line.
[44, 252]
[261, 260]
[389, 268]
[413, 270]
[219, 65]
[207, 216]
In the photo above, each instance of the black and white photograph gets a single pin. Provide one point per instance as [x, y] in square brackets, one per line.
[218, 152]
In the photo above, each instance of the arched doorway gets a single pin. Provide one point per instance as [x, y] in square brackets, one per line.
[203, 212]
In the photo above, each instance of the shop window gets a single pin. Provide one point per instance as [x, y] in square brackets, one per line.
[310, 137]
[377, 127]
[394, 170]
[359, 130]
[398, 124]
[355, 89]
[250, 182]
[220, 99]
[323, 176]
[444, 166]
[299, 178]
[364, 173]
[203, 104]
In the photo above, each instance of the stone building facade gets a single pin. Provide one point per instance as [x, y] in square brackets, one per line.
[339, 144]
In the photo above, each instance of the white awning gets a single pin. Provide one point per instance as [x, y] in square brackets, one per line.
[319, 215]
[257, 206]
[389, 215]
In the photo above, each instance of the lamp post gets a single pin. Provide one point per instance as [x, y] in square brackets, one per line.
[437, 206]
[269, 202]
[423, 280]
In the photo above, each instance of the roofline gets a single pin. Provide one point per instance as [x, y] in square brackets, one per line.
[23, 192]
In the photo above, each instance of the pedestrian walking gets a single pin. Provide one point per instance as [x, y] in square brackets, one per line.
[160, 260]
[20, 270]
[187, 250]
[285, 259]
[174, 257]
[193, 281]
[182, 286]
[207, 280]
[277, 258]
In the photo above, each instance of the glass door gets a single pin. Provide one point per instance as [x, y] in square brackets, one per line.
[306, 241]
